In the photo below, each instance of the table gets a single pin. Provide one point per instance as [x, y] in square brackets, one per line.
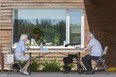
[62, 50]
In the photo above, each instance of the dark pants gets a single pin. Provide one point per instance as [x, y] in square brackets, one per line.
[87, 61]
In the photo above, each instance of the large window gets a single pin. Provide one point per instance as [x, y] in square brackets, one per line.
[52, 27]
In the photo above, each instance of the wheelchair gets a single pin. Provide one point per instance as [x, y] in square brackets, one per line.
[69, 60]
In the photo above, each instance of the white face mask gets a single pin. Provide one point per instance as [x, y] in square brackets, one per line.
[26, 39]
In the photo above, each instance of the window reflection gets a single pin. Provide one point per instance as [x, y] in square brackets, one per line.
[75, 27]
[47, 26]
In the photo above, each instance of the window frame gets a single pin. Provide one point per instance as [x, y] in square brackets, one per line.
[67, 26]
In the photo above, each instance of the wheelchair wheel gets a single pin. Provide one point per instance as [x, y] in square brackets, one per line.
[81, 70]
[66, 69]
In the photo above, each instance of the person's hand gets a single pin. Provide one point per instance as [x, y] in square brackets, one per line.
[28, 48]
[77, 47]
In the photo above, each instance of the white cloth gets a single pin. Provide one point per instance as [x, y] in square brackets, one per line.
[21, 57]
[20, 50]
[96, 48]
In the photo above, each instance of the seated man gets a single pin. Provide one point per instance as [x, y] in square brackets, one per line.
[95, 52]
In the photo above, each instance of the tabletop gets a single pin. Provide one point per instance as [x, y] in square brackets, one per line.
[54, 50]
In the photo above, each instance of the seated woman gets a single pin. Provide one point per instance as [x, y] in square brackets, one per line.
[20, 53]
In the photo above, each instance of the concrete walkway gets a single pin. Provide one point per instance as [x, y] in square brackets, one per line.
[58, 74]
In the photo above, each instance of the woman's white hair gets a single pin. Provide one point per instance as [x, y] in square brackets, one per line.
[91, 34]
[23, 36]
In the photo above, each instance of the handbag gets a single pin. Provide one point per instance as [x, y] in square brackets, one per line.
[8, 58]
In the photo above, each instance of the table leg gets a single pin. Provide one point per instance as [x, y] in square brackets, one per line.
[79, 63]
[29, 63]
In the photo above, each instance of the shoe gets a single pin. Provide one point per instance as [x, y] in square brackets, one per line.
[65, 72]
[25, 73]
[88, 72]
[93, 72]
[21, 71]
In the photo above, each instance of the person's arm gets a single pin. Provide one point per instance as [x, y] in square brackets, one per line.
[23, 46]
[78, 48]
[87, 48]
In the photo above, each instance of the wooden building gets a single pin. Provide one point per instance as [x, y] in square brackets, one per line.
[99, 18]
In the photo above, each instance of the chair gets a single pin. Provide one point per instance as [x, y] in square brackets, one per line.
[101, 60]
[9, 58]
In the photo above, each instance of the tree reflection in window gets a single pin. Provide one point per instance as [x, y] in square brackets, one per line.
[48, 28]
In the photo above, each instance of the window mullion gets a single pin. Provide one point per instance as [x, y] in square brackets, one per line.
[67, 28]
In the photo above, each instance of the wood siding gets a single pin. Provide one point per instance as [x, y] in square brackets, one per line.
[99, 18]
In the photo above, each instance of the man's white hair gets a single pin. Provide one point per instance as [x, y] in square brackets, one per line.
[23, 36]
[91, 34]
